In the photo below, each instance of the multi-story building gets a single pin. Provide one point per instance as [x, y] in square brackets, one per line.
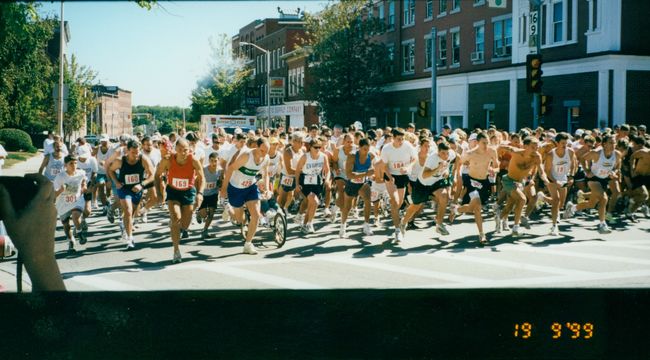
[112, 115]
[280, 37]
[596, 64]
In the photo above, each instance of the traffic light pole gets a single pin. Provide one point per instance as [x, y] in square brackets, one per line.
[536, 96]
[434, 85]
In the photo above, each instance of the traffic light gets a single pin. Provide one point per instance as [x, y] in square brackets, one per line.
[534, 73]
[423, 108]
[546, 104]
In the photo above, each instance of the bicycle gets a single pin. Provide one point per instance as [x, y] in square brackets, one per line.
[278, 225]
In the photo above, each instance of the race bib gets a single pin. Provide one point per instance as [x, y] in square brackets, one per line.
[311, 179]
[476, 184]
[398, 165]
[70, 199]
[287, 181]
[603, 173]
[358, 181]
[180, 183]
[246, 183]
[55, 171]
[132, 179]
[560, 169]
[211, 185]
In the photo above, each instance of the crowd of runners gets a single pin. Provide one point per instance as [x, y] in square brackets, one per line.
[382, 177]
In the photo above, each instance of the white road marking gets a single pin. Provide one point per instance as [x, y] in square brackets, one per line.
[102, 283]
[403, 270]
[278, 281]
[576, 254]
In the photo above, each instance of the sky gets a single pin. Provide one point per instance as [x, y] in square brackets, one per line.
[160, 54]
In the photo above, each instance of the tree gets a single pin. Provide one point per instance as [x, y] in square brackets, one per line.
[349, 65]
[81, 102]
[221, 91]
[25, 69]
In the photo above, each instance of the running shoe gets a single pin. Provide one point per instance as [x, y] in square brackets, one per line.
[83, 238]
[525, 222]
[71, 248]
[144, 217]
[84, 225]
[327, 212]
[105, 210]
[304, 228]
[442, 229]
[199, 219]
[342, 232]
[482, 240]
[130, 244]
[184, 234]
[505, 226]
[568, 211]
[555, 231]
[225, 216]
[402, 228]
[515, 231]
[333, 213]
[378, 222]
[411, 226]
[398, 237]
[453, 212]
[249, 248]
[299, 218]
[355, 213]
[310, 227]
[540, 199]
[646, 210]
[604, 229]
[177, 257]
[367, 230]
[631, 217]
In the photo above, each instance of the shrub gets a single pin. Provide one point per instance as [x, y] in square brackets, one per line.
[16, 139]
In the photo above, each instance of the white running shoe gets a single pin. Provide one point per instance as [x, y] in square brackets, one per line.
[568, 211]
[604, 229]
[177, 257]
[515, 231]
[367, 230]
[130, 244]
[249, 248]
[442, 229]
[334, 212]
[327, 212]
[342, 233]
[310, 227]
[525, 222]
[225, 216]
[355, 213]
[555, 231]
[398, 237]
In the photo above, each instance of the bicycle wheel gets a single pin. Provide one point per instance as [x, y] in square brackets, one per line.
[280, 228]
[244, 224]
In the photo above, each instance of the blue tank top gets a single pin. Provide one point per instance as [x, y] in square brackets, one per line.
[358, 166]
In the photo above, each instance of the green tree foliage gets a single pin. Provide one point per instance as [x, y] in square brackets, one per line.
[25, 69]
[79, 79]
[166, 116]
[221, 91]
[348, 64]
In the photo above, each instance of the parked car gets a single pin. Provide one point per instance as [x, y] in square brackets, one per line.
[92, 139]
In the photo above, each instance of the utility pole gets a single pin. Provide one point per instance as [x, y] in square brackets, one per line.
[60, 100]
[536, 5]
[434, 84]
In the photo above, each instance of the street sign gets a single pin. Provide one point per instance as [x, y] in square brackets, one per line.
[55, 96]
[502, 4]
[373, 121]
[277, 87]
[253, 96]
[533, 29]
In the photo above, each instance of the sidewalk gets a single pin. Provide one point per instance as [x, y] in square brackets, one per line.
[29, 166]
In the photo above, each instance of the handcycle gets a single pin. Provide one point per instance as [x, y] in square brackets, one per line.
[277, 224]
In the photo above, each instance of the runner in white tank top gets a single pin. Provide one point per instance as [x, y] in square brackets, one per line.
[560, 170]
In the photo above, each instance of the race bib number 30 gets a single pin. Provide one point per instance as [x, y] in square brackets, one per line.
[180, 183]
[132, 179]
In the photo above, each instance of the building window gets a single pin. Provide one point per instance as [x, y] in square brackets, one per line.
[558, 22]
[429, 9]
[442, 49]
[391, 15]
[409, 12]
[455, 47]
[391, 58]
[479, 37]
[442, 9]
[408, 57]
[523, 29]
[427, 55]
[381, 11]
[455, 6]
[502, 37]
[594, 15]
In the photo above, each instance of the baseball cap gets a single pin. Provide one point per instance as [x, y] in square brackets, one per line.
[238, 131]
[579, 132]
[83, 152]
[104, 138]
[472, 137]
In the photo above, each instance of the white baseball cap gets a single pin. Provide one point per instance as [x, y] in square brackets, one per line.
[104, 138]
[238, 131]
[472, 137]
[579, 132]
[83, 152]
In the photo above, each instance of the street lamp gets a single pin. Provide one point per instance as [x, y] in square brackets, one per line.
[268, 78]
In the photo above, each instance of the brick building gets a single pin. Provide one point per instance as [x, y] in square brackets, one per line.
[112, 115]
[280, 36]
[596, 63]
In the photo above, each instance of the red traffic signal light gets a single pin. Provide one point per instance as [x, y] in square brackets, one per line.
[534, 73]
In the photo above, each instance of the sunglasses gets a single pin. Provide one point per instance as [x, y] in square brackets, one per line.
[316, 147]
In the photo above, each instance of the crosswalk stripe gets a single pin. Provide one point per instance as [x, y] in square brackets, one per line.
[576, 254]
[278, 281]
[403, 270]
[102, 283]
